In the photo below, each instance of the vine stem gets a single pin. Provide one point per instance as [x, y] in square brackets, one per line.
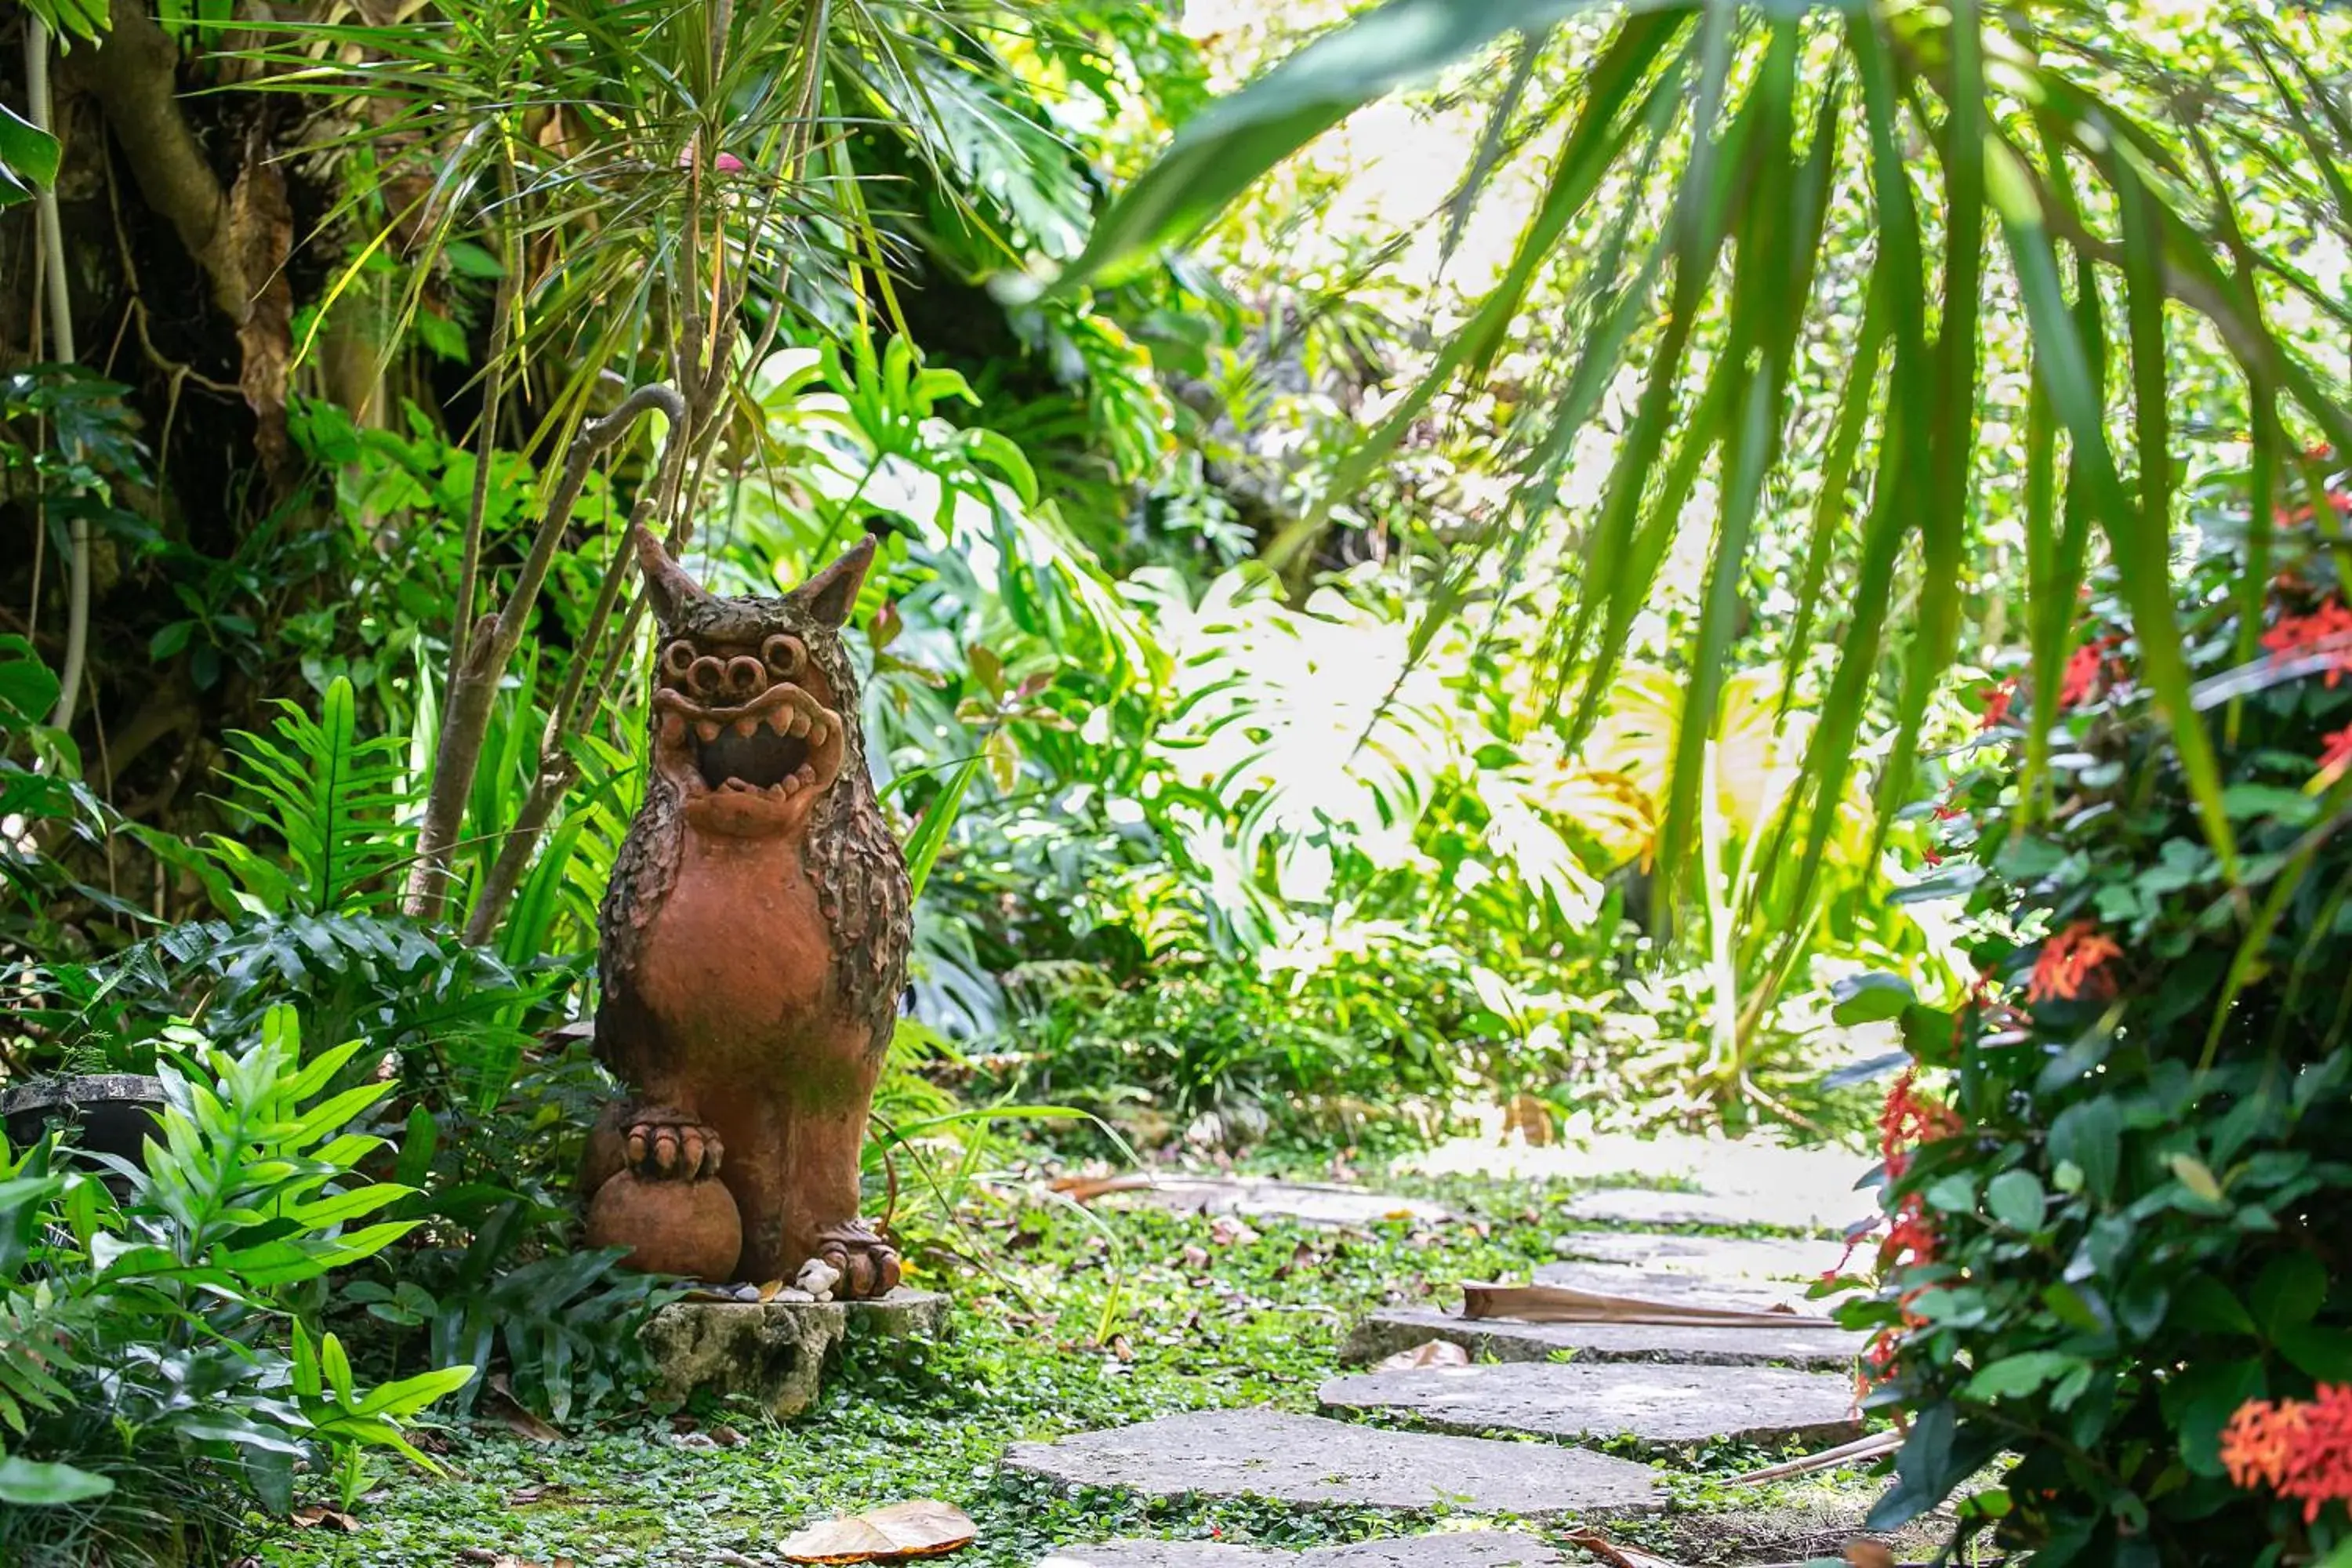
[61, 332]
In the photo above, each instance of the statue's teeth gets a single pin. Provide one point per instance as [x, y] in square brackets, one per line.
[800, 722]
[706, 728]
[673, 728]
[806, 775]
[747, 728]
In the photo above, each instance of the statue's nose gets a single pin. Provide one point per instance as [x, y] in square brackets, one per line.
[708, 675]
[746, 676]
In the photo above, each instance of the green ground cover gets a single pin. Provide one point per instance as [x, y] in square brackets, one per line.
[1200, 1312]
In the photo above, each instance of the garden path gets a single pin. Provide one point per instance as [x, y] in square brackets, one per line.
[1635, 1388]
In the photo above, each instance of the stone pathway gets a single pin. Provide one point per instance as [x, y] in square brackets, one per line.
[1736, 1211]
[1310, 1203]
[1383, 1334]
[1665, 1385]
[1747, 1295]
[1727, 1258]
[1661, 1407]
[1463, 1548]
[1307, 1461]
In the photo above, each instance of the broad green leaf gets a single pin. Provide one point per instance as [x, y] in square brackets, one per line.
[28, 1483]
[2019, 1374]
[2016, 1199]
[1225, 148]
[28, 158]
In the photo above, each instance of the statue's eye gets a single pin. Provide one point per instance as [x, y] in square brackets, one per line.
[786, 655]
[678, 659]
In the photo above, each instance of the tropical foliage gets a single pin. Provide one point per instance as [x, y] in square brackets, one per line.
[2114, 1246]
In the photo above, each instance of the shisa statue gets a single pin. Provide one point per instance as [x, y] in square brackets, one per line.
[754, 946]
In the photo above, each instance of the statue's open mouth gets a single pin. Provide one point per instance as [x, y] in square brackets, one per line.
[753, 767]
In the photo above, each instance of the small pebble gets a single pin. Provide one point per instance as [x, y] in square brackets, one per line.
[796, 1294]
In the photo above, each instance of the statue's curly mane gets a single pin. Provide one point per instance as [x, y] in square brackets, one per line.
[852, 858]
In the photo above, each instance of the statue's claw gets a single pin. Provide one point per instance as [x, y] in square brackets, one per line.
[868, 1264]
[669, 1145]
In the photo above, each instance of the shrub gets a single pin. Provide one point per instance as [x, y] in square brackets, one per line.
[2130, 1222]
[151, 1379]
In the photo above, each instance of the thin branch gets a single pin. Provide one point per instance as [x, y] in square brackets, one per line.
[466, 716]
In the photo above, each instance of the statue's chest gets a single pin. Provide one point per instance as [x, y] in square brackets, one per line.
[738, 951]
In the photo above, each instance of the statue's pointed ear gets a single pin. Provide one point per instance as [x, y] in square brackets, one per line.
[670, 586]
[832, 593]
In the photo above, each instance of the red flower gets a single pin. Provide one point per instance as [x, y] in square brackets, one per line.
[2327, 629]
[2069, 961]
[1907, 1120]
[2300, 1448]
[2340, 500]
[2083, 669]
[1997, 700]
[1930, 856]
[2335, 756]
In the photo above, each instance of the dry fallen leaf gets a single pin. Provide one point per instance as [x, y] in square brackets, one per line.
[1195, 1256]
[318, 1513]
[1616, 1556]
[500, 1408]
[768, 1292]
[920, 1529]
[1430, 1353]
[1869, 1554]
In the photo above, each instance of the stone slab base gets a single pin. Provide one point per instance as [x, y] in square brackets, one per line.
[773, 1353]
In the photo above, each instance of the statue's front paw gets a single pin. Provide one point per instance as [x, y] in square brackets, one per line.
[868, 1264]
[666, 1145]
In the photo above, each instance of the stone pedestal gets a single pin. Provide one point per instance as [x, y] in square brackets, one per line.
[774, 1352]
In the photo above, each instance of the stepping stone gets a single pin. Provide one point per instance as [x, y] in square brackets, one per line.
[1745, 1292]
[1663, 1406]
[1680, 1290]
[1794, 1211]
[1463, 1548]
[1307, 1461]
[1706, 1257]
[1402, 1328]
[1311, 1203]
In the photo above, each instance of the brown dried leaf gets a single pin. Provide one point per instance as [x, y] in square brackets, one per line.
[1867, 1553]
[768, 1292]
[500, 1408]
[1616, 1556]
[924, 1528]
[318, 1513]
[1429, 1352]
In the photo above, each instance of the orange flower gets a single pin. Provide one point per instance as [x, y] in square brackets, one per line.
[2259, 1442]
[2069, 961]
[1997, 700]
[2300, 1448]
[2335, 756]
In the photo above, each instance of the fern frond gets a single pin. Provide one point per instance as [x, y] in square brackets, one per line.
[336, 800]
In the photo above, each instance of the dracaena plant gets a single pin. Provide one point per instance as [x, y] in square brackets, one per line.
[1737, 192]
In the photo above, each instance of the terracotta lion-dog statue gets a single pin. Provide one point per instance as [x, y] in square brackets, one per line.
[754, 946]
